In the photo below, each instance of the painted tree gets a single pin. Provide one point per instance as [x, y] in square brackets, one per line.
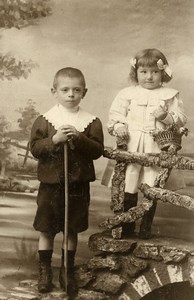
[4, 146]
[19, 14]
[28, 115]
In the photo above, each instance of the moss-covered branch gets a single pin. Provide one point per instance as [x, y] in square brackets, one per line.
[131, 215]
[163, 195]
[163, 159]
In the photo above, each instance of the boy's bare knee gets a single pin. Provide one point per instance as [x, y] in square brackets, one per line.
[47, 235]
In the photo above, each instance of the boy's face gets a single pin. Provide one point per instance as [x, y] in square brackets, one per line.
[69, 91]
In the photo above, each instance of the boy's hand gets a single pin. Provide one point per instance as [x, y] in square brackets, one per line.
[122, 132]
[159, 113]
[65, 133]
[60, 136]
[71, 132]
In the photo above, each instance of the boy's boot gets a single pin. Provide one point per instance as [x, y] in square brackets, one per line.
[146, 222]
[45, 271]
[130, 200]
[71, 283]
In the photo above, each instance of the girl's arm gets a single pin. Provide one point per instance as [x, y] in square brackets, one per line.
[118, 112]
[175, 112]
[91, 142]
[41, 144]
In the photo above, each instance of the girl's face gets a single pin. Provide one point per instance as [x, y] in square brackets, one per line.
[69, 91]
[149, 77]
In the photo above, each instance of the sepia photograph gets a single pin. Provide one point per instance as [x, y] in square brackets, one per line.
[96, 149]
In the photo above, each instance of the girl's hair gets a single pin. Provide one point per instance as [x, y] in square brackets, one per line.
[69, 72]
[148, 58]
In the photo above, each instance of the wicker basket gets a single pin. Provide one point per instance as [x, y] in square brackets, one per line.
[169, 136]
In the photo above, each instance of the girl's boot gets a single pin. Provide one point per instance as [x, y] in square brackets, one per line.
[130, 200]
[71, 283]
[146, 223]
[45, 271]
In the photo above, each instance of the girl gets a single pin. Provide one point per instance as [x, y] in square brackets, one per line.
[136, 111]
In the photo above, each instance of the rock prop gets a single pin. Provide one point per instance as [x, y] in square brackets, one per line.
[122, 269]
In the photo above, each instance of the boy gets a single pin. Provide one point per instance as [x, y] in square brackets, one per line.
[67, 123]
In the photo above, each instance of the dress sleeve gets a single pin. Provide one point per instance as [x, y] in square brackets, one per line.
[175, 112]
[118, 111]
[41, 143]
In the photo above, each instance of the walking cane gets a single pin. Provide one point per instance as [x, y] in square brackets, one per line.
[66, 211]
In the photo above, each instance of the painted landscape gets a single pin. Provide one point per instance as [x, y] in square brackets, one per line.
[99, 37]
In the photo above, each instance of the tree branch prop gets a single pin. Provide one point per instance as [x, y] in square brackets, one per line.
[118, 187]
[163, 195]
[131, 215]
[163, 159]
[162, 177]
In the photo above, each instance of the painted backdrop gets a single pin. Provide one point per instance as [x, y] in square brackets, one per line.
[100, 37]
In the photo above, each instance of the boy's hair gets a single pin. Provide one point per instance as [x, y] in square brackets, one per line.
[69, 72]
[148, 58]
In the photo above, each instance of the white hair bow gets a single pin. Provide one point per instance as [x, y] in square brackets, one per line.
[133, 62]
[162, 66]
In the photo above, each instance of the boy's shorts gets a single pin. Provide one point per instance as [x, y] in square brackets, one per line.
[51, 205]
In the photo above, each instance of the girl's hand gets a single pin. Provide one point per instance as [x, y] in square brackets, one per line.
[159, 113]
[122, 132]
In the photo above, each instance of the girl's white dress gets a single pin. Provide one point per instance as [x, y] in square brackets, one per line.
[134, 106]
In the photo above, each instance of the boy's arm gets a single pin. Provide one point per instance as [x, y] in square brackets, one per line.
[91, 145]
[41, 144]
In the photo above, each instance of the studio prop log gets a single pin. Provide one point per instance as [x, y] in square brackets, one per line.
[155, 193]
[163, 159]
[131, 215]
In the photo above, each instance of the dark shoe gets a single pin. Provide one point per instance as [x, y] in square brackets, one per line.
[145, 235]
[72, 288]
[45, 278]
[128, 230]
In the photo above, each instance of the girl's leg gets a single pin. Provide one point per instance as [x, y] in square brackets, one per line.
[149, 175]
[146, 223]
[132, 176]
[130, 200]
[46, 241]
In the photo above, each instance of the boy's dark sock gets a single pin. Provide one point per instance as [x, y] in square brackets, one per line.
[45, 255]
[71, 284]
[70, 258]
[130, 200]
[45, 271]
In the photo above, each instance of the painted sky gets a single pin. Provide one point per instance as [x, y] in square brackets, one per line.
[100, 37]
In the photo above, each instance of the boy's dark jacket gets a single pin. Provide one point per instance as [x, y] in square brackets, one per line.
[86, 148]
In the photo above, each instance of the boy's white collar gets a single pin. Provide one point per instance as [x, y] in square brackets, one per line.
[79, 118]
